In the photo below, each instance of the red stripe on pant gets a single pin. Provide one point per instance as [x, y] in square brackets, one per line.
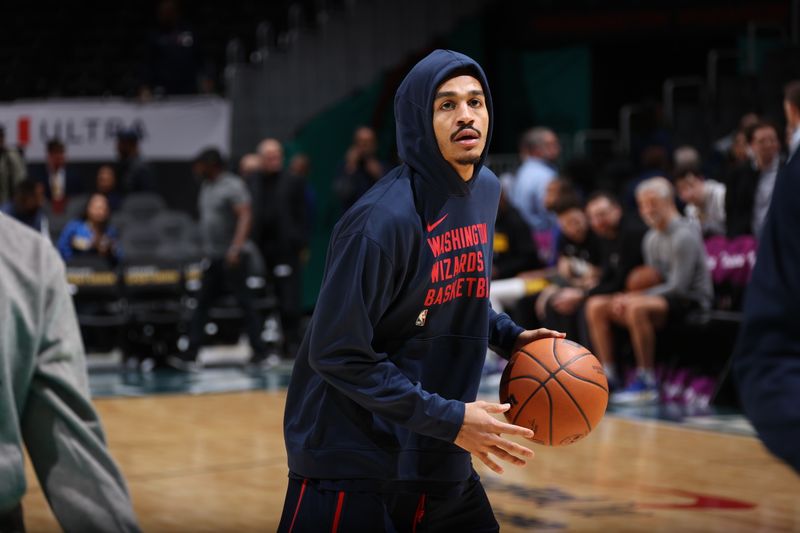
[338, 515]
[420, 512]
[299, 500]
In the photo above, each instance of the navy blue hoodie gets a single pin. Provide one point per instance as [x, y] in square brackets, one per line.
[399, 334]
[767, 357]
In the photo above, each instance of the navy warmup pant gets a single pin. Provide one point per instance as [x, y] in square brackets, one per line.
[309, 509]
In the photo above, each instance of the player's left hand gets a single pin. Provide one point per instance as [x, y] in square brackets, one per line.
[530, 335]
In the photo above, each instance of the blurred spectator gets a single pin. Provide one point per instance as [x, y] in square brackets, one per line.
[45, 402]
[704, 199]
[514, 250]
[654, 162]
[750, 188]
[686, 157]
[225, 221]
[730, 145]
[361, 167]
[106, 184]
[28, 206]
[621, 238]
[300, 166]
[91, 234]
[620, 250]
[12, 169]
[767, 356]
[173, 56]
[281, 230]
[578, 269]
[559, 190]
[539, 151]
[249, 164]
[133, 172]
[738, 153]
[791, 106]
[60, 182]
[514, 268]
[674, 248]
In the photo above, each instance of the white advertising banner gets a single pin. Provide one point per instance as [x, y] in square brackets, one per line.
[174, 129]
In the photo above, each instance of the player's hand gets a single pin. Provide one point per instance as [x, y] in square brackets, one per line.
[530, 335]
[566, 301]
[480, 435]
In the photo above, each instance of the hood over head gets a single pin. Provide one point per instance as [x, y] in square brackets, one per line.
[413, 110]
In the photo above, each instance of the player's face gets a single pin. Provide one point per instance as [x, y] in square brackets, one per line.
[461, 121]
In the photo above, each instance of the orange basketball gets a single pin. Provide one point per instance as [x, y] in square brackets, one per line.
[557, 388]
[642, 277]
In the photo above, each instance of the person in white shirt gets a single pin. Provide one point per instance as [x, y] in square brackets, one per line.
[704, 199]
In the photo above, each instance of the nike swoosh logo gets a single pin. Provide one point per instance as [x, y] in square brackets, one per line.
[432, 227]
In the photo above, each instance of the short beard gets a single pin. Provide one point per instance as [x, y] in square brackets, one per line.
[472, 160]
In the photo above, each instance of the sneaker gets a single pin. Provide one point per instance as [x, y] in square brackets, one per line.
[637, 393]
[184, 362]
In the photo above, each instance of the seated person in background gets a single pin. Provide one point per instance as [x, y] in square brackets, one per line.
[620, 240]
[106, 184]
[27, 206]
[578, 269]
[704, 199]
[514, 254]
[674, 248]
[91, 235]
[558, 190]
[514, 251]
[749, 190]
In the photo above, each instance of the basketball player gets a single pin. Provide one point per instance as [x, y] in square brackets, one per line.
[381, 416]
[767, 356]
[44, 396]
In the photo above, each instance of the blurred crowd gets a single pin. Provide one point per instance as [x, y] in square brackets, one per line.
[674, 242]
[670, 238]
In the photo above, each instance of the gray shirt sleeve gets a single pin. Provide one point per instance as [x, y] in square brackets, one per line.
[686, 254]
[60, 427]
[238, 193]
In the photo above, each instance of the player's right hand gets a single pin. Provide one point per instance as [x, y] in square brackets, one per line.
[480, 435]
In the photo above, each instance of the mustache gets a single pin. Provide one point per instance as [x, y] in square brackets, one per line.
[462, 128]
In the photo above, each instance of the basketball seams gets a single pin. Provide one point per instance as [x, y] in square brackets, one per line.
[585, 380]
[552, 375]
[555, 355]
[530, 397]
[571, 397]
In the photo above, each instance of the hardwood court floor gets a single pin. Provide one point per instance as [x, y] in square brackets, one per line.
[216, 462]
